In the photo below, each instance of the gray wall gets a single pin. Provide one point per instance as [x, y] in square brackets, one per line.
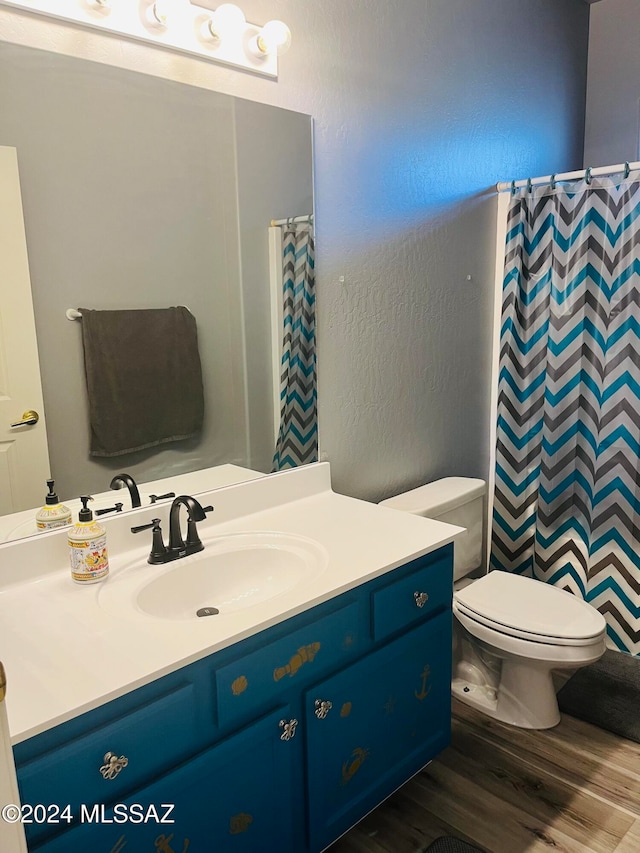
[419, 108]
[612, 132]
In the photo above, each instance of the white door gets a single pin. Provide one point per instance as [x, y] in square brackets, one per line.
[12, 838]
[24, 455]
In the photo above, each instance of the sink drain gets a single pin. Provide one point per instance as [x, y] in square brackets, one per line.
[207, 611]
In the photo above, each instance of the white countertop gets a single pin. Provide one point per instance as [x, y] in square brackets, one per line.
[64, 654]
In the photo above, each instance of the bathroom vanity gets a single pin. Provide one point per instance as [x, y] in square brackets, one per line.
[276, 724]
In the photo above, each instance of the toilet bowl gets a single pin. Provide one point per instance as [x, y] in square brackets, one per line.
[511, 633]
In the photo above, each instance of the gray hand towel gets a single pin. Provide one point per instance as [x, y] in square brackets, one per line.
[144, 378]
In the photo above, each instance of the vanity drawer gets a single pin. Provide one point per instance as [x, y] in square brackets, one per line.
[152, 738]
[416, 596]
[263, 677]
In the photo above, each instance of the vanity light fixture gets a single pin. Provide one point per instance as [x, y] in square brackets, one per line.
[164, 13]
[156, 15]
[222, 36]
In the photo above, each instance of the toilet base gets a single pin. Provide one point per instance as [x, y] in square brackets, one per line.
[510, 678]
[526, 696]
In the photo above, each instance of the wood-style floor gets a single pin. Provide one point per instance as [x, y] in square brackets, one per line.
[571, 789]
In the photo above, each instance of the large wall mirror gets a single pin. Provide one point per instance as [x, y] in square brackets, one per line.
[141, 192]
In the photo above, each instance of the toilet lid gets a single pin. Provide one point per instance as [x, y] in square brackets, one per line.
[513, 604]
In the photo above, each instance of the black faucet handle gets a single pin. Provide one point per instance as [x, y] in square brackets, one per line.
[116, 508]
[155, 523]
[154, 498]
[196, 516]
[193, 540]
[158, 548]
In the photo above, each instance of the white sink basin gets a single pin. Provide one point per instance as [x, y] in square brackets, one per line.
[233, 573]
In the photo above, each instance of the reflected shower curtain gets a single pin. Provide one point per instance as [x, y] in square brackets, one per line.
[567, 495]
[298, 434]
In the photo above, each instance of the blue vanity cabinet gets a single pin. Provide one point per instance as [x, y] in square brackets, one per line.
[279, 742]
[145, 742]
[372, 726]
[231, 798]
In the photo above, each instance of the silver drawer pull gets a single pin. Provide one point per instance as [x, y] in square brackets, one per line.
[421, 598]
[113, 765]
[288, 729]
[322, 708]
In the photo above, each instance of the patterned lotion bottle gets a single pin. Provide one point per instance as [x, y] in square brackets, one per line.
[54, 513]
[88, 547]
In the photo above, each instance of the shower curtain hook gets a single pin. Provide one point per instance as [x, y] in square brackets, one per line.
[528, 185]
[587, 175]
[553, 182]
[513, 187]
[627, 169]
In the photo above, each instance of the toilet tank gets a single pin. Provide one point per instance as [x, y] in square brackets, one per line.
[456, 500]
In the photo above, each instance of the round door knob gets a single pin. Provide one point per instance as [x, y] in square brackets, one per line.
[29, 418]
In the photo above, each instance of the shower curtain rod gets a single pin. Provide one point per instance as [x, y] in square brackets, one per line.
[290, 220]
[503, 186]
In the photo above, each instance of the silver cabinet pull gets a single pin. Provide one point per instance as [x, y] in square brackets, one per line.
[28, 419]
[288, 729]
[421, 598]
[322, 708]
[113, 765]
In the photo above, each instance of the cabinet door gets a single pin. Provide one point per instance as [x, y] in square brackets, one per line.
[149, 741]
[372, 726]
[233, 798]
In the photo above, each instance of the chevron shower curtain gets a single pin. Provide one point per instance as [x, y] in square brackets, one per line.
[567, 494]
[298, 434]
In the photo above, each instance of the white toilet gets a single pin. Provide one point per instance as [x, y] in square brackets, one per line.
[510, 632]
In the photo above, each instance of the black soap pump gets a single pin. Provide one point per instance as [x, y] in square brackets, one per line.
[54, 513]
[88, 547]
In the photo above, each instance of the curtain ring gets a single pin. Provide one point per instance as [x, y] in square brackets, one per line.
[528, 185]
[288, 222]
[587, 175]
[553, 182]
[513, 187]
[627, 169]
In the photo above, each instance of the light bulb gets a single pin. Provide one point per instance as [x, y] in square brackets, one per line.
[274, 37]
[227, 20]
[162, 13]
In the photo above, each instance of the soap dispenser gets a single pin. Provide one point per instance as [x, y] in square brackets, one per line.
[54, 513]
[88, 547]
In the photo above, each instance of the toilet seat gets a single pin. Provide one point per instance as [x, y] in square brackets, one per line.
[529, 609]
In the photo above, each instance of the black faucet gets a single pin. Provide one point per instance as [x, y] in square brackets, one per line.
[127, 480]
[178, 547]
[196, 513]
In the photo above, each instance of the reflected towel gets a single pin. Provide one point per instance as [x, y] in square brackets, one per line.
[144, 378]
